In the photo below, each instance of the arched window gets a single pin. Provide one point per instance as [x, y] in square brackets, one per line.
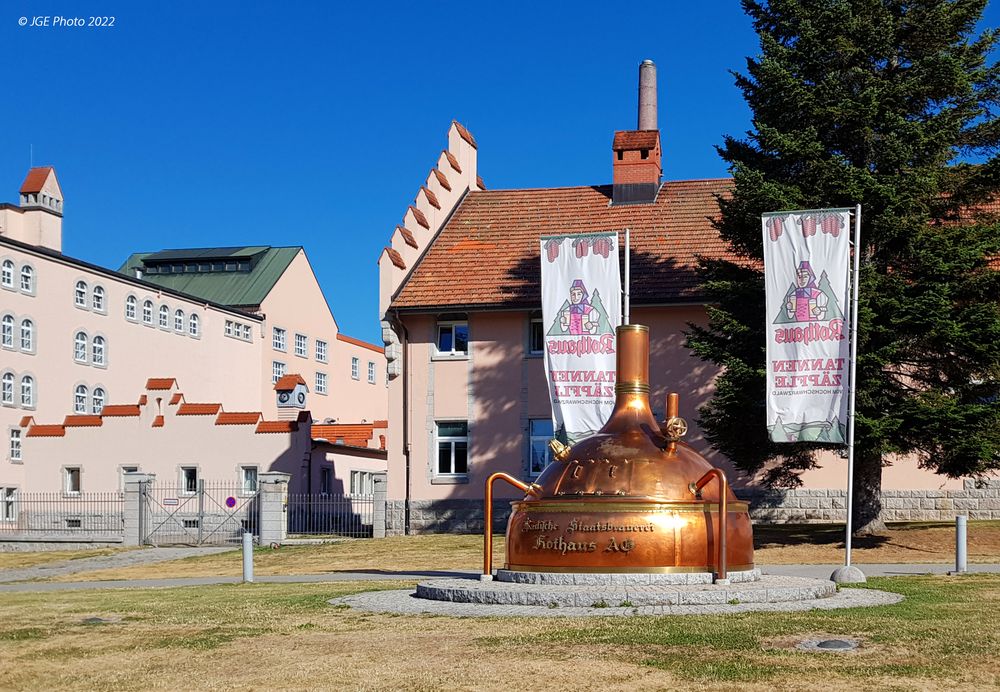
[147, 312]
[80, 347]
[7, 389]
[7, 274]
[27, 336]
[178, 320]
[97, 300]
[80, 399]
[80, 294]
[98, 351]
[97, 404]
[193, 327]
[27, 279]
[164, 316]
[130, 308]
[7, 331]
[27, 391]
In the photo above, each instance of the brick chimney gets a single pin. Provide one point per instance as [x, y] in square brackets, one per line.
[637, 166]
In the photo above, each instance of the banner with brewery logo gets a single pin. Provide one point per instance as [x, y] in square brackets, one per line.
[581, 307]
[806, 266]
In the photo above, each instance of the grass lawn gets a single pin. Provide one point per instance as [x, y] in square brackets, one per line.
[285, 636]
[19, 560]
[802, 544]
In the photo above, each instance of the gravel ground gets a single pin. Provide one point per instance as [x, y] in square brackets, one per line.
[126, 558]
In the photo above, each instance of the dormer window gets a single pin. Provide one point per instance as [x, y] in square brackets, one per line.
[621, 154]
[644, 154]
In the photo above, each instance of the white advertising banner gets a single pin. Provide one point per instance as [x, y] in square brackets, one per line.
[806, 268]
[581, 307]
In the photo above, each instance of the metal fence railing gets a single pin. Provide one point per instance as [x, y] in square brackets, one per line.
[91, 514]
[331, 515]
[205, 513]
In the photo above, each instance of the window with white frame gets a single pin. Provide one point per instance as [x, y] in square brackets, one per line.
[80, 399]
[321, 383]
[7, 389]
[248, 477]
[189, 479]
[72, 481]
[80, 343]
[362, 483]
[371, 372]
[355, 367]
[164, 316]
[453, 338]
[130, 304]
[27, 336]
[147, 312]
[194, 325]
[15, 444]
[178, 320]
[80, 294]
[28, 391]
[325, 480]
[27, 279]
[539, 434]
[536, 337]
[99, 351]
[452, 448]
[278, 339]
[7, 274]
[277, 370]
[8, 504]
[320, 350]
[229, 328]
[97, 401]
[7, 331]
[301, 345]
[97, 298]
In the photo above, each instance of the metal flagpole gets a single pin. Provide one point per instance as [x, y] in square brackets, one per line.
[854, 383]
[628, 278]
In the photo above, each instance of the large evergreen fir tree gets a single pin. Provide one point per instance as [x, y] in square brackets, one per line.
[876, 102]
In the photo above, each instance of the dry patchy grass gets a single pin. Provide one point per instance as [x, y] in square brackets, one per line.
[19, 560]
[285, 636]
[803, 544]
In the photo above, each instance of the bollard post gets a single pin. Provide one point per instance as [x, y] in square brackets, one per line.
[961, 544]
[247, 557]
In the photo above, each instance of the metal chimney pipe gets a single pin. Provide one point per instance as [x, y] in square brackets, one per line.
[647, 96]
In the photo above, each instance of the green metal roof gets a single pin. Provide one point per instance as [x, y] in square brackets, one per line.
[225, 287]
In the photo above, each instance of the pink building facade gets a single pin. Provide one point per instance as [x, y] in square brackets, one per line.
[76, 337]
[460, 301]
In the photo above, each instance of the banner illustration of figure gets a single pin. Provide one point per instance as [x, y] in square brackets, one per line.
[582, 314]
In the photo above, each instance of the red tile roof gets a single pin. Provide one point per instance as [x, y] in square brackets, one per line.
[143, 400]
[396, 258]
[452, 161]
[359, 342]
[35, 179]
[407, 236]
[26, 421]
[419, 216]
[46, 431]
[441, 178]
[465, 134]
[431, 197]
[79, 421]
[288, 382]
[277, 426]
[380, 424]
[198, 409]
[480, 183]
[238, 418]
[156, 383]
[176, 398]
[157, 422]
[635, 139]
[115, 410]
[666, 237]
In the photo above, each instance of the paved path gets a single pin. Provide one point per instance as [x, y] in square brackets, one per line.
[127, 558]
[816, 571]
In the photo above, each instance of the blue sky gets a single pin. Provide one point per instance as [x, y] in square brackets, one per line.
[313, 123]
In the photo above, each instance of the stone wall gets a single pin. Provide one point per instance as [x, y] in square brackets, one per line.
[977, 500]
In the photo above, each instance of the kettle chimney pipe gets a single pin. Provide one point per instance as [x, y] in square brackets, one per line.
[647, 96]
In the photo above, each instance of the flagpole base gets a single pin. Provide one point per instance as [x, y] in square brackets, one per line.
[848, 575]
